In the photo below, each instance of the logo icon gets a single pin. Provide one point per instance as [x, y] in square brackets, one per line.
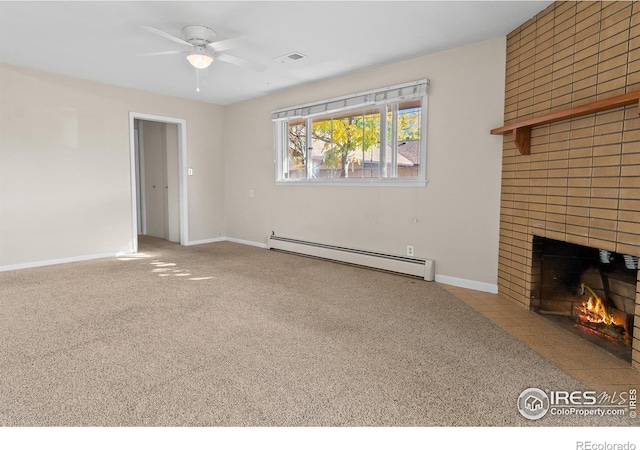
[533, 403]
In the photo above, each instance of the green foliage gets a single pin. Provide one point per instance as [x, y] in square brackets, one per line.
[408, 125]
[347, 139]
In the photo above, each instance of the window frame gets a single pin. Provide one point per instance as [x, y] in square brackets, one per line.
[377, 99]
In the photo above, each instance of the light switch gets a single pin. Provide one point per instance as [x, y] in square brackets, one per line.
[190, 171]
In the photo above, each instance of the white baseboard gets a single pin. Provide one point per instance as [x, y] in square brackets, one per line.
[205, 241]
[469, 284]
[243, 242]
[51, 262]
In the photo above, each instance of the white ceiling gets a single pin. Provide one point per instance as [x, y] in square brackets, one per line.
[101, 40]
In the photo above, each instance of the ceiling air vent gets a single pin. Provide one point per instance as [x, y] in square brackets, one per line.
[293, 56]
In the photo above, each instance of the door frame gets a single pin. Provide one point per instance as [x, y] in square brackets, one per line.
[182, 174]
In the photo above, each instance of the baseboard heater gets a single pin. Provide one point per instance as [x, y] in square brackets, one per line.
[423, 268]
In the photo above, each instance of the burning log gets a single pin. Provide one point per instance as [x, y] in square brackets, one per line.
[614, 330]
[594, 315]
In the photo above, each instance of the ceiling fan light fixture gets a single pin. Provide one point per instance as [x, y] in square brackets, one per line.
[199, 59]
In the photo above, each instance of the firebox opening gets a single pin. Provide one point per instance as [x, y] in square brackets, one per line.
[590, 291]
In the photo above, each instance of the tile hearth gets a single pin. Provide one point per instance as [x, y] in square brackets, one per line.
[579, 358]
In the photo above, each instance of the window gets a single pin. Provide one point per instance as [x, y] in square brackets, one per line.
[339, 141]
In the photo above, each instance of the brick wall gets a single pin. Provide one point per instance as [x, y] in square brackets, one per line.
[581, 182]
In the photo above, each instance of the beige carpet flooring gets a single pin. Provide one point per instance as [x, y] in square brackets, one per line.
[229, 335]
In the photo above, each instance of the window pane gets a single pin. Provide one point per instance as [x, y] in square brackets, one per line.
[297, 155]
[371, 144]
[346, 145]
[404, 144]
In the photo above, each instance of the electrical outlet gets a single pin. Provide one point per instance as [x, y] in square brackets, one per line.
[251, 193]
[409, 250]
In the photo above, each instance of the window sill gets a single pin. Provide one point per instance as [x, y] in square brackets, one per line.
[354, 182]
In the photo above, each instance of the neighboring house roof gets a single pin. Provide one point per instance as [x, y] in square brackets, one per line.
[410, 150]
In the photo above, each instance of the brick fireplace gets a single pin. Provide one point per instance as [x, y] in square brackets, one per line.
[580, 184]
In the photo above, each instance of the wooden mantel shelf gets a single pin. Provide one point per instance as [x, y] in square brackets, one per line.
[522, 130]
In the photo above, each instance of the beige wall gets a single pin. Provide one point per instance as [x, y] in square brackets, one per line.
[453, 220]
[65, 188]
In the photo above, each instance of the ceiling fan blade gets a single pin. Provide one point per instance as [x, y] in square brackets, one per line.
[164, 35]
[168, 52]
[240, 62]
[221, 46]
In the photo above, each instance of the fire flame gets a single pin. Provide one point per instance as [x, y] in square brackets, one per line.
[594, 311]
[595, 316]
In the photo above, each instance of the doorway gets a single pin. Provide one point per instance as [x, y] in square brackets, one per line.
[158, 178]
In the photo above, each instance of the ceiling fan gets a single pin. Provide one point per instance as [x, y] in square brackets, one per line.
[203, 47]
